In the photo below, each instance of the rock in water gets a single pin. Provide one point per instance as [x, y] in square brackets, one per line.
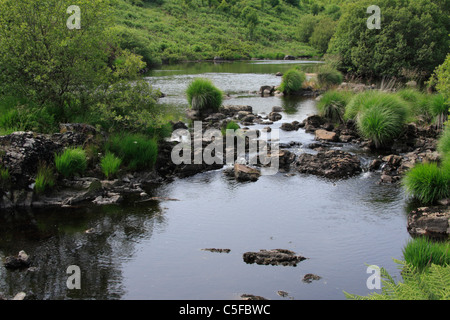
[332, 164]
[245, 173]
[273, 257]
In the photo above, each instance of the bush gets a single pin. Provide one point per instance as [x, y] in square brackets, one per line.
[428, 183]
[422, 252]
[292, 81]
[137, 151]
[444, 142]
[202, 95]
[44, 179]
[418, 103]
[110, 164]
[332, 105]
[439, 109]
[327, 77]
[381, 118]
[355, 104]
[72, 161]
[230, 126]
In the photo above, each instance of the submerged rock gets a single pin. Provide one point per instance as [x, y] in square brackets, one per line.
[333, 164]
[273, 257]
[308, 278]
[246, 296]
[217, 250]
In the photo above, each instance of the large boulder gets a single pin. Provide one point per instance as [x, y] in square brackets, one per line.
[245, 173]
[333, 164]
[431, 221]
[325, 135]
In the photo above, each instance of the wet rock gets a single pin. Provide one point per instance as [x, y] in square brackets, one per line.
[273, 257]
[279, 74]
[277, 109]
[293, 126]
[245, 173]
[275, 116]
[266, 90]
[313, 123]
[282, 293]
[432, 221]
[231, 110]
[217, 250]
[325, 135]
[246, 296]
[178, 125]
[22, 260]
[289, 57]
[308, 278]
[109, 198]
[20, 296]
[333, 164]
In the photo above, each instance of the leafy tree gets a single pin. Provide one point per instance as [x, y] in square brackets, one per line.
[413, 38]
[323, 32]
[306, 27]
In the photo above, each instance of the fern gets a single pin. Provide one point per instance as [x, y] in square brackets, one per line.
[430, 284]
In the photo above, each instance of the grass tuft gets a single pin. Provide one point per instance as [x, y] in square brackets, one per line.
[72, 161]
[110, 165]
[45, 179]
[292, 81]
[332, 105]
[422, 252]
[203, 95]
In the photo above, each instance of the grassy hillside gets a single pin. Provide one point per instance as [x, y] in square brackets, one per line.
[203, 29]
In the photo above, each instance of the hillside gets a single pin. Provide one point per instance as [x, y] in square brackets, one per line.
[195, 30]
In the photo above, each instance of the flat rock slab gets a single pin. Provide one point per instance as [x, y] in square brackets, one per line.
[273, 257]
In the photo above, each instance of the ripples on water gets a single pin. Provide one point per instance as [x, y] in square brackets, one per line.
[153, 250]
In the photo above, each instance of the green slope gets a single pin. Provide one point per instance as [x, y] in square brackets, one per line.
[191, 30]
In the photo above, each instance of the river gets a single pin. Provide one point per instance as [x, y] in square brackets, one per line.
[153, 250]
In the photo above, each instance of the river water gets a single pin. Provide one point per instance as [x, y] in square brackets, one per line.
[153, 250]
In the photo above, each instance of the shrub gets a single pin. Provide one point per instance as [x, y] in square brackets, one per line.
[427, 182]
[44, 179]
[355, 104]
[439, 109]
[72, 161]
[417, 101]
[292, 81]
[444, 142]
[110, 164]
[332, 105]
[381, 118]
[327, 77]
[230, 126]
[422, 252]
[202, 95]
[137, 151]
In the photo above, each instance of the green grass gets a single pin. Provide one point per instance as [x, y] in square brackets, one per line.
[355, 104]
[419, 103]
[422, 252]
[292, 81]
[439, 109]
[5, 177]
[444, 142]
[230, 126]
[202, 95]
[45, 179]
[137, 151]
[381, 118]
[110, 165]
[329, 77]
[71, 162]
[428, 182]
[332, 105]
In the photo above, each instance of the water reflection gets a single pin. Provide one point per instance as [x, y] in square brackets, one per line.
[98, 240]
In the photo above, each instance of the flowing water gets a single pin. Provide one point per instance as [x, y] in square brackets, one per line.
[153, 250]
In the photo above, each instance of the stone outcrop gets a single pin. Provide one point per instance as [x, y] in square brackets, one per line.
[333, 164]
[273, 257]
[431, 221]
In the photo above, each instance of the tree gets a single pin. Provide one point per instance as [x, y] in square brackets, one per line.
[323, 31]
[413, 38]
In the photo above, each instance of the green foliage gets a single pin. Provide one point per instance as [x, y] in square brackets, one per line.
[381, 118]
[414, 38]
[138, 151]
[439, 109]
[128, 106]
[444, 142]
[332, 105]
[328, 77]
[355, 104]
[71, 162]
[292, 81]
[428, 183]
[306, 27]
[441, 78]
[430, 285]
[419, 103]
[203, 95]
[230, 126]
[110, 165]
[422, 252]
[45, 178]
[322, 34]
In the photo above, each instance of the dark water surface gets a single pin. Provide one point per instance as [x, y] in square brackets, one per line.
[153, 250]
